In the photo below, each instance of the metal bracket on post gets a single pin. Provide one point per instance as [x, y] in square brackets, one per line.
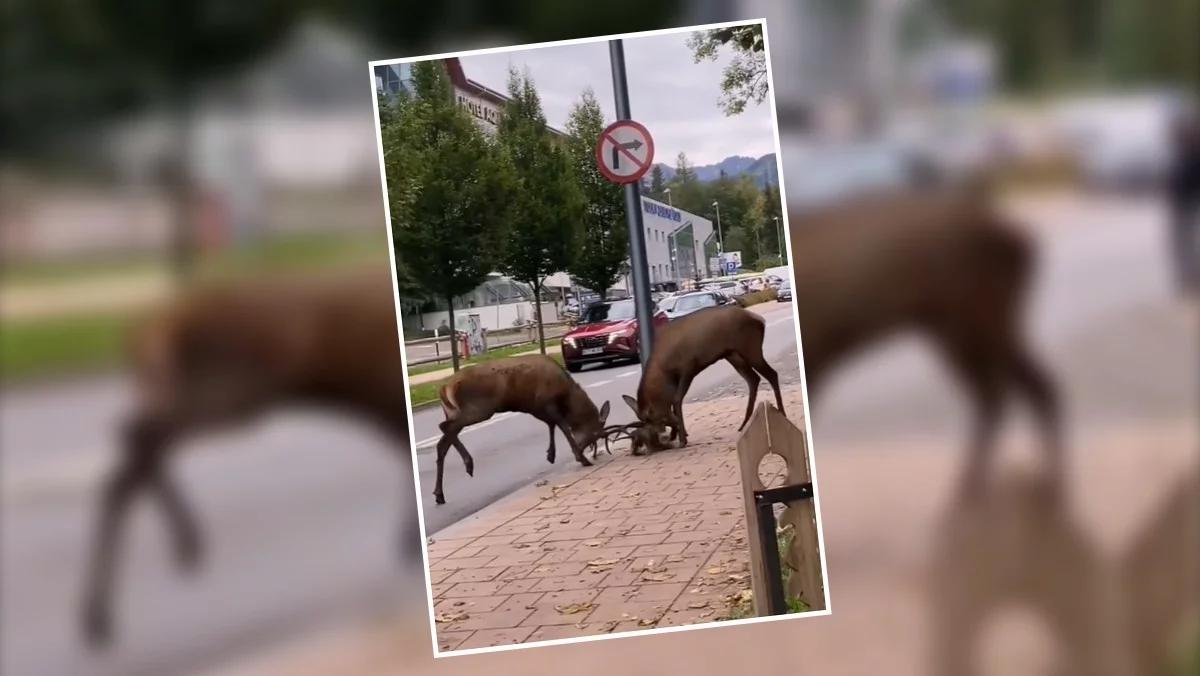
[769, 432]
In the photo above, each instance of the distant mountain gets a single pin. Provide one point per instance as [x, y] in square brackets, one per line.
[762, 170]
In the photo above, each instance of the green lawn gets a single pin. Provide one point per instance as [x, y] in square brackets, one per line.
[425, 394]
[486, 356]
[302, 251]
[60, 345]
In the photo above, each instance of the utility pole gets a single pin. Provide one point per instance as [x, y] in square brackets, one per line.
[633, 215]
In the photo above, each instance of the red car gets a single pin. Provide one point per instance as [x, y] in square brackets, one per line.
[607, 331]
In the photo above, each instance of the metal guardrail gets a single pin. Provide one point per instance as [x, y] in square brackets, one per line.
[439, 357]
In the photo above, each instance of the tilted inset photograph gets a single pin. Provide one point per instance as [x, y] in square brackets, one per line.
[592, 278]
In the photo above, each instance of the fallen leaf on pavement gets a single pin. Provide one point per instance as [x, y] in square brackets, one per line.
[698, 604]
[715, 570]
[574, 608]
[540, 482]
[602, 562]
[646, 623]
[657, 577]
[591, 543]
[450, 617]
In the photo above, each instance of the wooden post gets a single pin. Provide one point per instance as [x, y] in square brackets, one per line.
[769, 431]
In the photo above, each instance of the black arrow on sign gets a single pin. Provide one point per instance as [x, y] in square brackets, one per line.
[616, 155]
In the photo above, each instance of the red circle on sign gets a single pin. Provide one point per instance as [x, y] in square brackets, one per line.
[643, 167]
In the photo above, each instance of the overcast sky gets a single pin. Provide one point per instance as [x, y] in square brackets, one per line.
[675, 98]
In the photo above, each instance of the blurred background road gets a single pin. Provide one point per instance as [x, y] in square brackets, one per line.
[270, 115]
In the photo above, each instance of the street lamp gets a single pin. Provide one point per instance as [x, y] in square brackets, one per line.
[720, 237]
[667, 192]
[778, 240]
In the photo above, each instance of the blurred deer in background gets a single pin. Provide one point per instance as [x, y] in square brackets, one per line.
[533, 384]
[944, 263]
[220, 357]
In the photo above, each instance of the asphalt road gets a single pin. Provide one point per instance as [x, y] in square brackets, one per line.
[301, 510]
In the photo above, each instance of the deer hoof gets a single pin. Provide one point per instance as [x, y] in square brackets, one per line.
[439, 498]
[188, 554]
[97, 626]
[585, 462]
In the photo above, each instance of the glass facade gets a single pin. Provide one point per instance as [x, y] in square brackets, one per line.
[393, 78]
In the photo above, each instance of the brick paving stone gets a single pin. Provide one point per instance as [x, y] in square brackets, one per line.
[490, 638]
[629, 544]
[449, 640]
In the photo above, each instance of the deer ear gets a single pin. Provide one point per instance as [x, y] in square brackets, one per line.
[604, 413]
[631, 402]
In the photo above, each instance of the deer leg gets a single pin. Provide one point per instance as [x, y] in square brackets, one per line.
[550, 451]
[752, 379]
[677, 428]
[136, 468]
[1036, 386]
[764, 369]
[185, 532]
[467, 459]
[575, 449]
[981, 378]
[449, 436]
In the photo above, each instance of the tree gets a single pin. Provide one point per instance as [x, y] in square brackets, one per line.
[547, 203]
[658, 185]
[604, 243]
[448, 189]
[744, 79]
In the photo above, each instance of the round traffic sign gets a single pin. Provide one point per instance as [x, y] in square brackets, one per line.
[624, 151]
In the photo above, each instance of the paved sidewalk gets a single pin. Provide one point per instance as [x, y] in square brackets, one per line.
[631, 543]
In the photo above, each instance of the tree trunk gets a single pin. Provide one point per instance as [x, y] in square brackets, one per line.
[453, 334]
[181, 193]
[537, 313]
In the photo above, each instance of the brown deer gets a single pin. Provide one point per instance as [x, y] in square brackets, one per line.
[533, 384]
[939, 261]
[684, 348]
[218, 357]
[942, 262]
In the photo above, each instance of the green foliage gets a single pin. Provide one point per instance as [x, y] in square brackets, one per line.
[744, 79]
[657, 183]
[546, 201]
[1046, 44]
[449, 188]
[604, 241]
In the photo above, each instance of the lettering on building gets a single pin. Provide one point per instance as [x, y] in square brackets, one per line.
[480, 111]
[661, 211]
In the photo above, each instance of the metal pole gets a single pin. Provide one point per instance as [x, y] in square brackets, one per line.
[633, 215]
[720, 236]
[779, 239]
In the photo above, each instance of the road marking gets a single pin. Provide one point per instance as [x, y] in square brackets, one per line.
[631, 373]
[472, 428]
[598, 383]
[780, 321]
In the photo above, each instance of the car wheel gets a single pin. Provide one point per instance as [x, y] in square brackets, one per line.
[573, 368]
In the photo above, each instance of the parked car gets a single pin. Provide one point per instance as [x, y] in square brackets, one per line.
[784, 292]
[607, 331]
[685, 304]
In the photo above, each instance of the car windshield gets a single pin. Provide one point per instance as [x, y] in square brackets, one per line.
[785, 284]
[667, 304]
[615, 311]
[688, 303]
